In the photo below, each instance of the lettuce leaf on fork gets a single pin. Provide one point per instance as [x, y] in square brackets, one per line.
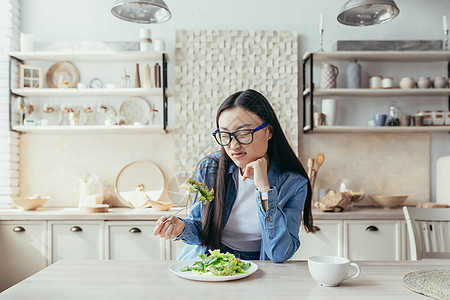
[218, 264]
[205, 195]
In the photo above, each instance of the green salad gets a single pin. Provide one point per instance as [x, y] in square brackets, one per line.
[218, 264]
[205, 195]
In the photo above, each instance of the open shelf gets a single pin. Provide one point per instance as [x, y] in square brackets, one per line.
[379, 92]
[49, 92]
[88, 56]
[380, 129]
[413, 56]
[59, 129]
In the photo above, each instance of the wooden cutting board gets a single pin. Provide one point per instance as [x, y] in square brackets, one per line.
[432, 205]
[100, 208]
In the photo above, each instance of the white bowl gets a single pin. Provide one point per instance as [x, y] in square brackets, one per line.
[388, 200]
[30, 203]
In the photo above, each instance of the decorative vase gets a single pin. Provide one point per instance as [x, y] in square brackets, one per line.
[354, 75]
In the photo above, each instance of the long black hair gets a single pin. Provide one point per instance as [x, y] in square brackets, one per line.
[279, 150]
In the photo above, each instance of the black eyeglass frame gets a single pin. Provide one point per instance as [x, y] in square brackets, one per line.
[233, 134]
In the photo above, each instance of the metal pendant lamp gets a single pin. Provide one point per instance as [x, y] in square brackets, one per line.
[367, 12]
[141, 11]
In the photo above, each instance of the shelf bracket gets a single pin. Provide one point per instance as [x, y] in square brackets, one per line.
[164, 86]
[305, 94]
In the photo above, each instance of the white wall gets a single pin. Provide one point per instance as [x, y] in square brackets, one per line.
[56, 20]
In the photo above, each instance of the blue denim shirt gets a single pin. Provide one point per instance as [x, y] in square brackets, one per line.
[279, 225]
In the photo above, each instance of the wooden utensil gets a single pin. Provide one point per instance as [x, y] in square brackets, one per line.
[320, 158]
[310, 167]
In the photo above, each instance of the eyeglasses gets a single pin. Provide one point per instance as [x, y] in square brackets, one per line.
[244, 136]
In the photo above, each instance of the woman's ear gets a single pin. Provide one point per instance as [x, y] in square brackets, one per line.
[270, 131]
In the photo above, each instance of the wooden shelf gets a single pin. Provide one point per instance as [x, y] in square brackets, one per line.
[379, 92]
[49, 92]
[412, 56]
[88, 56]
[86, 129]
[381, 129]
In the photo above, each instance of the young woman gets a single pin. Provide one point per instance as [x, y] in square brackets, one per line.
[261, 188]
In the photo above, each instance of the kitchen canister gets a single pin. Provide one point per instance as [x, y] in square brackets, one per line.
[145, 43]
[440, 82]
[375, 82]
[159, 44]
[328, 76]
[407, 83]
[424, 82]
[427, 117]
[387, 83]
[329, 110]
[354, 75]
[26, 42]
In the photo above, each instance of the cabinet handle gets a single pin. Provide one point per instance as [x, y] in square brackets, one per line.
[76, 229]
[134, 230]
[372, 228]
[316, 228]
[18, 229]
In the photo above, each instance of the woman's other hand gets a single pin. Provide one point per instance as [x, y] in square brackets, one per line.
[168, 227]
[257, 170]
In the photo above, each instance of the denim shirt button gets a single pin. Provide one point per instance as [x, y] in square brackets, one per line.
[268, 219]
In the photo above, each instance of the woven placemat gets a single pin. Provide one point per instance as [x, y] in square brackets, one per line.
[431, 283]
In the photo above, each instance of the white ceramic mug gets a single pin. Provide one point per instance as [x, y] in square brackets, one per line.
[331, 270]
[329, 110]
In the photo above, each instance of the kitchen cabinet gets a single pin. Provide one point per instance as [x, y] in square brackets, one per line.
[22, 250]
[354, 239]
[173, 248]
[75, 240]
[327, 240]
[310, 90]
[75, 95]
[374, 240]
[133, 241]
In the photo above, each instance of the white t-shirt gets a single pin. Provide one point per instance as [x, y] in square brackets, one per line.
[242, 229]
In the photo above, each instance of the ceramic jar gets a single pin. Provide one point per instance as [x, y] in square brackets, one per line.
[375, 82]
[427, 117]
[438, 117]
[387, 83]
[328, 76]
[424, 83]
[440, 83]
[354, 75]
[407, 83]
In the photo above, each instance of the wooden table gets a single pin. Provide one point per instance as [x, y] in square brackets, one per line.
[100, 279]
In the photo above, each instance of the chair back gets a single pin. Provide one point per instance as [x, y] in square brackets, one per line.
[428, 232]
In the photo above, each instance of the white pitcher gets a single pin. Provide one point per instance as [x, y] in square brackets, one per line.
[329, 75]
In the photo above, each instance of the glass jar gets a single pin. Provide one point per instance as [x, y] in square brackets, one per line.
[125, 82]
[153, 119]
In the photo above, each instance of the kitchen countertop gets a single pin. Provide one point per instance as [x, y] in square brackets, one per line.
[151, 279]
[149, 214]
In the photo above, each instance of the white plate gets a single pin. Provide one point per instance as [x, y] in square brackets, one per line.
[178, 265]
[135, 109]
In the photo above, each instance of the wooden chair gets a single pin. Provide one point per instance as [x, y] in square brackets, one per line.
[428, 231]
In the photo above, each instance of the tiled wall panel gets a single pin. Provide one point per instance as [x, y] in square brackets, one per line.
[210, 65]
[9, 141]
